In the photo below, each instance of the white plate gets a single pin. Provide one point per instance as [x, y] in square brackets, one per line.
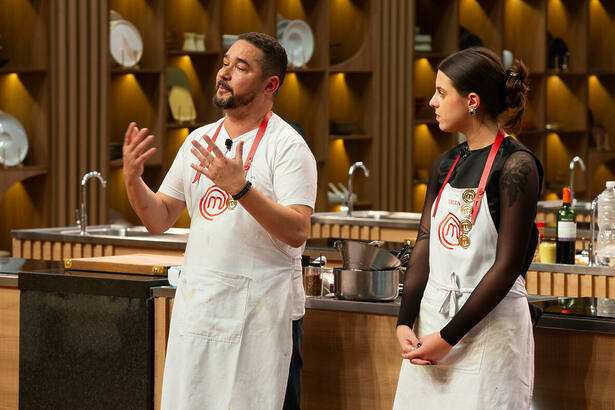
[13, 140]
[298, 40]
[125, 43]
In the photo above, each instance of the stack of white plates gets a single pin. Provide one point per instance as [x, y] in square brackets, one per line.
[297, 38]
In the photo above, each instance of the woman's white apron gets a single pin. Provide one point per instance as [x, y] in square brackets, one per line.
[492, 366]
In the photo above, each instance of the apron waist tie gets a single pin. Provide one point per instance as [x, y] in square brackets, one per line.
[453, 292]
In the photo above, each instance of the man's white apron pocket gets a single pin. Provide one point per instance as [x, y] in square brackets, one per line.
[215, 305]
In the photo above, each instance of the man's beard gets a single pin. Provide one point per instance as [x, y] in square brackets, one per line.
[232, 101]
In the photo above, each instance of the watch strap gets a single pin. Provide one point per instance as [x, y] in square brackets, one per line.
[243, 191]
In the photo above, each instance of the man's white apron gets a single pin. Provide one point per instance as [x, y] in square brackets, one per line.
[492, 367]
[230, 336]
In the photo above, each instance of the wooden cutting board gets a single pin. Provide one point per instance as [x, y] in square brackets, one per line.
[137, 263]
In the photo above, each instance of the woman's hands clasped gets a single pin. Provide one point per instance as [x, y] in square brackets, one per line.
[426, 351]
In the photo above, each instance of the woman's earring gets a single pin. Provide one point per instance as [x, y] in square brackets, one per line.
[472, 112]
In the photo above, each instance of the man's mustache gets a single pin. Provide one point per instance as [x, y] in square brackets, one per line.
[225, 85]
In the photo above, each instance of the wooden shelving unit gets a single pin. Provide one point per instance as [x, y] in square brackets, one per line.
[335, 84]
[24, 94]
[556, 124]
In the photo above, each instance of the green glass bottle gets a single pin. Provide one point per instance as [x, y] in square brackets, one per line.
[566, 231]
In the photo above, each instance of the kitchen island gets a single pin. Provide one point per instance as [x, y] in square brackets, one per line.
[352, 359]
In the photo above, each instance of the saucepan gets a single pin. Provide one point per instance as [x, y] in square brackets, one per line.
[365, 256]
[366, 285]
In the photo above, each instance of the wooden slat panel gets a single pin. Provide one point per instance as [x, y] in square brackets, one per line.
[600, 290]
[98, 250]
[77, 250]
[364, 235]
[335, 231]
[572, 285]
[9, 348]
[586, 288]
[559, 284]
[355, 232]
[87, 250]
[108, 250]
[47, 255]
[545, 285]
[345, 231]
[26, 249]
[162, 318]
[67, 250]
[37, 250]
[531, 282]
[56, 251]
[611, 287]
[325, 231]
[16, 248]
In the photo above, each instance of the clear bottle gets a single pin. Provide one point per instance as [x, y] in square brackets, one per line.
[606, 225]
[566, 231]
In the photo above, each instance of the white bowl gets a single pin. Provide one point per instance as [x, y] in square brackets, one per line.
[298, 40]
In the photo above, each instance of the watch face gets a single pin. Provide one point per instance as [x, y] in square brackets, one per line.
[125, 43]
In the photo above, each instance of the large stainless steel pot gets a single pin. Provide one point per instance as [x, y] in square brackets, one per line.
[363, 256]
[366, 285]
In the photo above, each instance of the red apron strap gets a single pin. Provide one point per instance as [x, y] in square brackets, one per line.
[215, 136]
[443, 185]
[259, 136]
[483, 179]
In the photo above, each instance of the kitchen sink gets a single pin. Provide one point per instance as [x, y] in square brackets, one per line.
[370, 218]
[124, 231]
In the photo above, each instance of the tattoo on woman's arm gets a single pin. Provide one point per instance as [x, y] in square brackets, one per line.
[423, 233]
[515, 179]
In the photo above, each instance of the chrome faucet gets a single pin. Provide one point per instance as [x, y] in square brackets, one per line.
[349, 200]
[572, 163]
[83, 216]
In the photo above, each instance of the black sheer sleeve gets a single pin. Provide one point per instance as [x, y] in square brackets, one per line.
[417, 271]
[519, 186]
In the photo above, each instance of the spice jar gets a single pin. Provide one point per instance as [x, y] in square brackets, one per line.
[312, 280]
[547, 251]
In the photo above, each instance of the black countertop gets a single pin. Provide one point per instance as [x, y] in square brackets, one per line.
[51, 276]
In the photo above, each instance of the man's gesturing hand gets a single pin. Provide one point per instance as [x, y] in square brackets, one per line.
[134, 154]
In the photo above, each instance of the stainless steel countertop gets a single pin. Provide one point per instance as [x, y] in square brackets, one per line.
[385, 219]
[578, 269]
[8, 280]
[70, 234]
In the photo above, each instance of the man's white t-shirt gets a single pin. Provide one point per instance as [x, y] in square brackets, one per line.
[283, 170]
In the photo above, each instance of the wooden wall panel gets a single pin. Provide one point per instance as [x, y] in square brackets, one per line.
[9, 348]
[79, 38]
[395, 112]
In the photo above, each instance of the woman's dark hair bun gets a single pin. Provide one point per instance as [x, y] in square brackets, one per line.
[515, 95]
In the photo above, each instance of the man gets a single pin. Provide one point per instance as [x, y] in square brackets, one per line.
[230, 337]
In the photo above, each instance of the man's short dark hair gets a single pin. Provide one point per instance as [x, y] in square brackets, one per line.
[274, 60]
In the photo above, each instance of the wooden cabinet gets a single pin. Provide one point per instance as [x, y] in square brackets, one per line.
[335, 85]
[24, 94]
[566, 108]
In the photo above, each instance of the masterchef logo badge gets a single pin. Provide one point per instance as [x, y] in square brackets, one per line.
[213, 202]
[449, 232]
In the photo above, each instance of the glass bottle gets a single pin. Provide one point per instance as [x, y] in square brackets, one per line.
[566, 231]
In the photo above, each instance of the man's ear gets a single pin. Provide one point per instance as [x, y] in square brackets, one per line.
[272, 84]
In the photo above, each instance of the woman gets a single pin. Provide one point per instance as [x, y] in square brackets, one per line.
[464, 323]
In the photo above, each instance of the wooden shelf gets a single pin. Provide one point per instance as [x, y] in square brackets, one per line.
[193, 53]
[22, 70]
[11, 176]
[419, 121]
[190, 126]
[121, 70]
[349, 137]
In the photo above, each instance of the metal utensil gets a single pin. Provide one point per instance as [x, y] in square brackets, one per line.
[362, 256]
